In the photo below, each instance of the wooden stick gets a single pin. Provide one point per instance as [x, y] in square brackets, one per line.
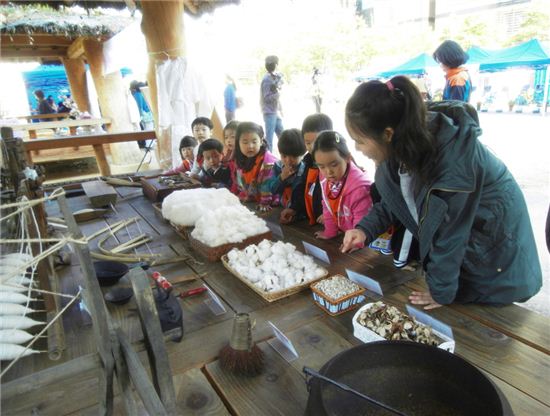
[121, 182]
[141, 381]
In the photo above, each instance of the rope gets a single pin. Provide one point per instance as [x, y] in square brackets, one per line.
[37, 336]
[30, 203]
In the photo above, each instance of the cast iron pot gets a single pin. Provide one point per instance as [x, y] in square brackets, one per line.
[412, 378]
[110, 272]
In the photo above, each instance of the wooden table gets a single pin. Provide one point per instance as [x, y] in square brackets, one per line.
[95, 140]
[510, 344]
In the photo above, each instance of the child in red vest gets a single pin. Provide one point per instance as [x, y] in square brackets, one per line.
[311, 127]
[187, 147]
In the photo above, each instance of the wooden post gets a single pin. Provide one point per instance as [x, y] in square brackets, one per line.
[162, 25]
[112, 101]
[76, 74]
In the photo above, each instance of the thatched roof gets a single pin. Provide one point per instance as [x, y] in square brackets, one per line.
[71, 23]
[45, 29]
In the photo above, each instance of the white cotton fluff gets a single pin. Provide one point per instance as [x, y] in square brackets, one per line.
[12, 351]
[12, 297]
[14, 309]
[12, 266]
[274, 266]
[17, 322]
[14, 336]
[232, 224]
[186, 206]
[13, 288]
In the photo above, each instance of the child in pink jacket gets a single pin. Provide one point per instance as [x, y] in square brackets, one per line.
[345, 187]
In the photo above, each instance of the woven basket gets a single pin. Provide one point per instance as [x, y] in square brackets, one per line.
[183, 231]
[337, 306]
[215, 253]
[271, 296]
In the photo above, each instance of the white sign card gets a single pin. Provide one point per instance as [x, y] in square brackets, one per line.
[431, 321]
[214, 303]
[316, 252]
[282, 344]
[275, 229]
[365, 281]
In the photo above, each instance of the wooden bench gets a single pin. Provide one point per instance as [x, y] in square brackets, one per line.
[44, 116]
[71, 124]
[95, 140]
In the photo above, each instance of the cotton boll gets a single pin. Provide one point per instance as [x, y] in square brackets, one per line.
[309, 275]
[233, 255]
[319, 272]
[255, 275]
[265, 245]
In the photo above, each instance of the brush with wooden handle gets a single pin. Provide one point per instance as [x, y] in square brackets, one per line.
[242, 355]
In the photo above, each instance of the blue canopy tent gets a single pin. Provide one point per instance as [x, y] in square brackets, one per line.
[416, 66]
[529, 54]
[478, 55]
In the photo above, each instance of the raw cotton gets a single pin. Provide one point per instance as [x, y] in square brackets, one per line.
[224, 225]
[274, 266]
[186, 206]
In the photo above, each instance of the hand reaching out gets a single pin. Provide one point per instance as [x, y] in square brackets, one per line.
[425, 299]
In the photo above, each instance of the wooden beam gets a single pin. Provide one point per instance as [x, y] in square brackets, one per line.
[76, 50]
[8, 53]
[71, 141]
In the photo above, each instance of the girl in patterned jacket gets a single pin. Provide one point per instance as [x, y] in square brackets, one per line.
[252, 167]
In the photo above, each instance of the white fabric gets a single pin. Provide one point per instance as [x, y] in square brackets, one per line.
[182, 96]
[133, 110]
[92, 96]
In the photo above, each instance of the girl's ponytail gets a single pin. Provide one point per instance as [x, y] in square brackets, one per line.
[375, 106]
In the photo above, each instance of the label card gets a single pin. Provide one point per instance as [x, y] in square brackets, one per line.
[214, 303]
[282, 344]
[275, 229]
[431, 321]
[365, 281]
[316, 252]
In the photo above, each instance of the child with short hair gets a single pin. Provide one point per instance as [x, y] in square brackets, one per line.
[186, 149]
[229, 133]
[345, 187]
[311, 127]
[202, 129]
[289, 178]
[253, 167]
[214, 173]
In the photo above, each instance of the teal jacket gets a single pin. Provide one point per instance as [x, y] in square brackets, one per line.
[475, 236]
